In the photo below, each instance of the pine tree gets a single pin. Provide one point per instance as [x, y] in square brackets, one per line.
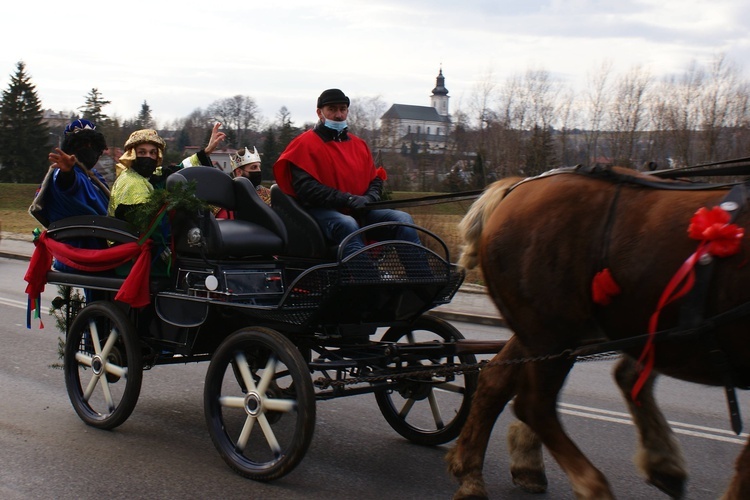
[24, 137]
[145, 120]
[92, 108]
[270, 153]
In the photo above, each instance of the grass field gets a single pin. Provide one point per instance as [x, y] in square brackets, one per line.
[14, 204]
[441, 219]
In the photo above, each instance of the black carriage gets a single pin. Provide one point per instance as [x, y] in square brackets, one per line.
[283, 320]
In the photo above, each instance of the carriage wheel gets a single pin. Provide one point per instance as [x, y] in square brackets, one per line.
[428, 409]
[263, 425]
[103, 365]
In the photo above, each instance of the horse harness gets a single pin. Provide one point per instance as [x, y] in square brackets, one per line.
[693, 321]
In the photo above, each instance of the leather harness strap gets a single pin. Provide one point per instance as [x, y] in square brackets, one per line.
[692, 313]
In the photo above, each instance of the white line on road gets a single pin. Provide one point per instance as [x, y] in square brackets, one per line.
[13, 303]
[617, 417]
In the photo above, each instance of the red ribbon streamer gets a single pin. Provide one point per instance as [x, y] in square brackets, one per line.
[717, 238]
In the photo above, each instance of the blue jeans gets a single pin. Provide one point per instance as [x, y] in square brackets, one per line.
[337, 226]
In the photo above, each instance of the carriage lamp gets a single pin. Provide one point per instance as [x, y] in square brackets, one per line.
[211, 282]
[194, 237]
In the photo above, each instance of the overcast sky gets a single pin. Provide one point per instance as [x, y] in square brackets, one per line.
[183, 55]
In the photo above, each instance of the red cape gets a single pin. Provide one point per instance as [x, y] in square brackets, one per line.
[347, 166]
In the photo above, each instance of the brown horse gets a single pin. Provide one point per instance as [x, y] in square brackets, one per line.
[541, 244]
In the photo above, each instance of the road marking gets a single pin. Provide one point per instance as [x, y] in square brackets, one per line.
[616, 417]
[685, 429]
[13, 303]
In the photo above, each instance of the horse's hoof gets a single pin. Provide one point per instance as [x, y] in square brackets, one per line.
[674, 486]
[530, 481]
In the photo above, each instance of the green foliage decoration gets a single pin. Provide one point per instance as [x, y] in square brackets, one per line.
[180, 197]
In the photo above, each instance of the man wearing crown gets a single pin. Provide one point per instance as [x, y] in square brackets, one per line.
[247, 164]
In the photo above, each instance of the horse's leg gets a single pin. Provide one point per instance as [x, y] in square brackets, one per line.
[536, 405]
[739, 488]
[526, 459]
[495, 387]
[659, 455]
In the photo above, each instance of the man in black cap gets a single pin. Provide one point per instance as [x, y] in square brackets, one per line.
[332, 173]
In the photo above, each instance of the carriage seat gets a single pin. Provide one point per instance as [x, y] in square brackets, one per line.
[305, 236]
[254, 230]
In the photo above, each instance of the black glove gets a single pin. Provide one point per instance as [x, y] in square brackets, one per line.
[355, 202]
[375, 189]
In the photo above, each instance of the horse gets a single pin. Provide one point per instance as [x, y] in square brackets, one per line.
[547, 247]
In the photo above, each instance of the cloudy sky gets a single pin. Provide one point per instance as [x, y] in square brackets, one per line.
[179, 56]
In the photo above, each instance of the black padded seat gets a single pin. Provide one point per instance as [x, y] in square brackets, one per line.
[305, 236]
[254, 230]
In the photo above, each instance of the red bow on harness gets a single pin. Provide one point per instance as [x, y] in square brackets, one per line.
[718, 238]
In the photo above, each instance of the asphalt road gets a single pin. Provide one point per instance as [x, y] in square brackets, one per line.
[164, 450]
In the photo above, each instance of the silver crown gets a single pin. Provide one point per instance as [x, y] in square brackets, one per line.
[248, 157]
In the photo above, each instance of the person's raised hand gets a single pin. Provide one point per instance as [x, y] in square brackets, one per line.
[62, 160]
[216, 138]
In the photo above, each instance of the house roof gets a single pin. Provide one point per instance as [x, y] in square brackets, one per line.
[411, 112]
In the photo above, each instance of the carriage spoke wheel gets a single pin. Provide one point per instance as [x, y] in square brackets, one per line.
[259, 403]
[428, 410]
[103, 365]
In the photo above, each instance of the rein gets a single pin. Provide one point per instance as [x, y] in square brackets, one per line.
[426, 200]
[701, 170]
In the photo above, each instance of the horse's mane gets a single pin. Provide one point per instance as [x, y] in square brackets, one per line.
[471, 226]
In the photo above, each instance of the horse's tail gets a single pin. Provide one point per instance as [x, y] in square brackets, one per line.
[472, 225]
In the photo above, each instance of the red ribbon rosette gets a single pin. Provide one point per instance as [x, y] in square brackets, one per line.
[718, 238]
[381, 173]
[712, 226]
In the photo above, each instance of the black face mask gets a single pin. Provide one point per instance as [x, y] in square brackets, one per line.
[255, 178]
[87, 157]
[144, 165]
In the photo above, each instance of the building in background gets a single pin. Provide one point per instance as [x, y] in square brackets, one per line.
[408, 128]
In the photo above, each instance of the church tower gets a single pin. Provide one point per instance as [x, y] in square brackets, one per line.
[439, 98]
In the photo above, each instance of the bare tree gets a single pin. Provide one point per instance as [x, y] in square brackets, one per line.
[567, 118]
[683, 113]
[195, 126]
[364, 118]
[627, 114]
[723, 100]
[238, 114]
[657, 137]
[596, 98]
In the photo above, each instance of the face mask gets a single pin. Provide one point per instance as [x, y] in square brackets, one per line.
[337, 126]
[87, 157]
[144, 165]
[255, 178]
